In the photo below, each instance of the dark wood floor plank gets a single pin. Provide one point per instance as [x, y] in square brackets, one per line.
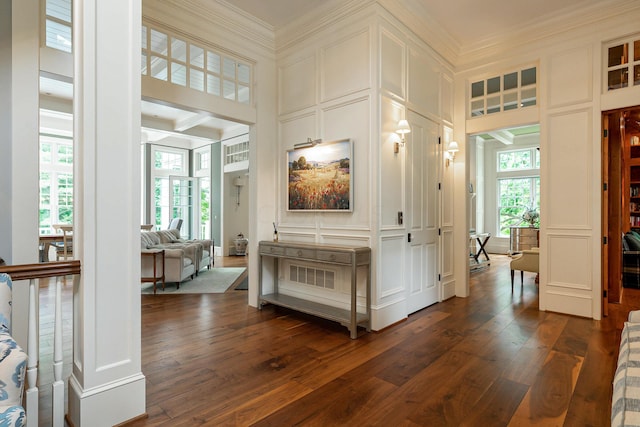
[489, 359]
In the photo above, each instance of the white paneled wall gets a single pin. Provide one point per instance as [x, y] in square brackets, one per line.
[357, 80]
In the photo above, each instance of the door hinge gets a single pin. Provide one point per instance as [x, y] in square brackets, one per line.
[605, 133]
[604, 293]
[604, 186]
[409, 237]
[604, 240]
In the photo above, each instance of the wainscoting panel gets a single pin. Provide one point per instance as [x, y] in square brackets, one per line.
[345, 66]
[297, 85]
[392, 64]
[569, 142]
[424, 82]
[391, 166]
[392, 280]
[572, 77]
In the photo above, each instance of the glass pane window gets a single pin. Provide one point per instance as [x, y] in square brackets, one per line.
[60, 9]
[45, 152]
[229, 69]
[213, 62]
[213, 85]
[159, 68]
[196, 56]
[516, 195]
[168, 161]
[178, 49]
[65, 154]
[244, 73]
[229, 89]
[159, 42]
[178, 74]
[58, 36]
[196, 80]
[509, 91]
[161, 203]
[622, 66]
[514, 160]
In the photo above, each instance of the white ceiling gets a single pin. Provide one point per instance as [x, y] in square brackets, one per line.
[466, 21]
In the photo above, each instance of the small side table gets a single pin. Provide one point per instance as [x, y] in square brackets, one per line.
[156, 255]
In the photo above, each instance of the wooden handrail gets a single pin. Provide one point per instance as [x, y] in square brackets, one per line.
[31, 272]
[41, 270]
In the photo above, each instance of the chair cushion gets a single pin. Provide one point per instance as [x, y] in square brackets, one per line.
[13, 363]
[12, 416]
[633, 241]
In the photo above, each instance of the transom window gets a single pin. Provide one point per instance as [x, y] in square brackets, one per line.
[175, 59]
[623, 64]
[510, 91]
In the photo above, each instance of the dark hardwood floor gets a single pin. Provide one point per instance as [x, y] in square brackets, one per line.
[491, 359]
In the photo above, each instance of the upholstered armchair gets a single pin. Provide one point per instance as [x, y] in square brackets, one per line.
[528, 260]
[13, 363]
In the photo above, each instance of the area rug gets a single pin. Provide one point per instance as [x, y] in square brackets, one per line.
[243, 285]
[214, 281]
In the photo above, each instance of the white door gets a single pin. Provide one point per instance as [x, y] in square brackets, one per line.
[422, 177]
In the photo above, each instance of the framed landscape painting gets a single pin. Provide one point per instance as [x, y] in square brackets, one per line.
[320, 178]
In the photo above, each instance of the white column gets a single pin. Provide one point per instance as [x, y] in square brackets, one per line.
[23, 186]
[107, 386]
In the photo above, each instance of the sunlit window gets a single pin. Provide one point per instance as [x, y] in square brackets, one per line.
[58, 24]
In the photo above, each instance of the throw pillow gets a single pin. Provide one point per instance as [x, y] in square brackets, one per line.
[632, 241]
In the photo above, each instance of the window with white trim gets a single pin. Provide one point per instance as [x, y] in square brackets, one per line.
[178, 60]
[56, 182]
[517, 186]
[509, 91]
[622, 68]
[166, 162]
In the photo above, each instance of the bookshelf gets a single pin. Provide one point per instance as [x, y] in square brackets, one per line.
[633, 169]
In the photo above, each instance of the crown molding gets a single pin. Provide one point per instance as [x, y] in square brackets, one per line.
[318, 19]
[546, 28]
[226, 17]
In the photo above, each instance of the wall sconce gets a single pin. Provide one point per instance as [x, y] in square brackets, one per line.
[452, 149]
[403, 127]
[239, 183]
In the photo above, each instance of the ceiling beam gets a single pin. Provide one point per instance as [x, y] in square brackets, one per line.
[503, 136]
[180, 125]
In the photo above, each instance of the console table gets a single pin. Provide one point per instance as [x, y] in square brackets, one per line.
[353, 257]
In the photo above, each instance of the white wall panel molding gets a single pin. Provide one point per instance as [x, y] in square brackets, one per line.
[620, 98]
[392, 64]
[570, 77]
[391, 279]
[569, 140]
[423, 83]
[570, 303]
[391, 167]
[345, 239]
[296, 236]
[297, 84]
[388, 313]
[345, 65]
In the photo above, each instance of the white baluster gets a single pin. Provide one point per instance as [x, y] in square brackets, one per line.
[32, 351]
[58, 384]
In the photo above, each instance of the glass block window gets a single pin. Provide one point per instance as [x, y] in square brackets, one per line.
[622, 68]
[180, 61]
[509, 91]
[58, 25]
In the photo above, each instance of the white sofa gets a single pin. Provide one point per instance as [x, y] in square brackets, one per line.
[625, 402]
[180, 260]
[170, 239]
